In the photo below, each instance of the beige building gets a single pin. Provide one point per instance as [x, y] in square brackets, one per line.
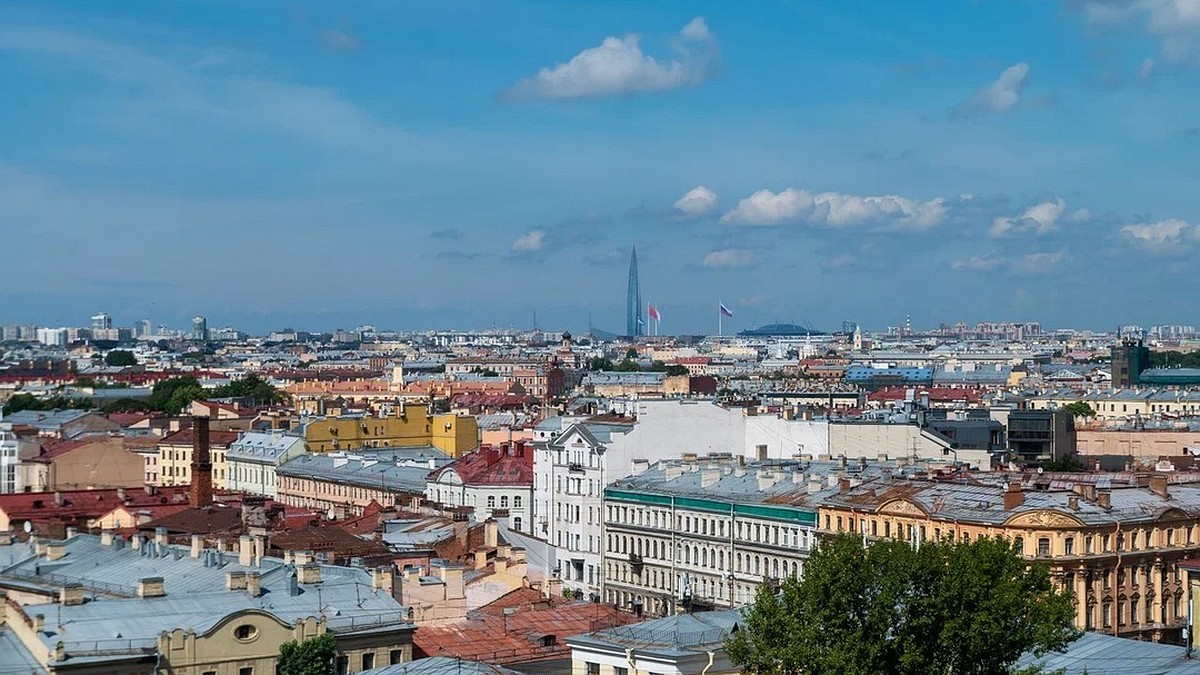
[88, 463]
[1117, 549]
[175, 458]
[1141, 443]
[405, 427]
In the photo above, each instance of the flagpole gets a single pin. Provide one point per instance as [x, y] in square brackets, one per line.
[720, 317]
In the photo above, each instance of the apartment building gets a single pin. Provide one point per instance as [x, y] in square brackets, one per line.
[491, 480]
[175, 457]
[256, 455]
[346, 484]
[401, 427]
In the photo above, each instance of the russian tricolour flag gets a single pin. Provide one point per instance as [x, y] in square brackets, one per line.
[725, 310]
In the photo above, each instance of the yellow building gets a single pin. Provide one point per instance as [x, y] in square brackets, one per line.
[406, 428]
[175, 458]
[1117, 549]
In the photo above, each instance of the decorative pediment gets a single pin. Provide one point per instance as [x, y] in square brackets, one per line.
[1043, 519]
[901, 507]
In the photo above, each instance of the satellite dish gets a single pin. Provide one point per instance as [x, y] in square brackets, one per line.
[331, 514]
[28, 527]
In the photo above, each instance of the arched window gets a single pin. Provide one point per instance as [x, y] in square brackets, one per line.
[517, 502]
[504, 501]
[491, 501]
[517, 523]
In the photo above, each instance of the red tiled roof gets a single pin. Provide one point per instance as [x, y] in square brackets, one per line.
[494, 465]
[128, 419]
[40, 506]
[940, 394]
[526, 635]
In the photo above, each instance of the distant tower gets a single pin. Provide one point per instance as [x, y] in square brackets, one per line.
[633, 301]
[101, 321]
[199, 328]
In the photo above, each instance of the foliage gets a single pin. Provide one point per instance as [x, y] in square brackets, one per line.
[626, 366]
[1080, 409]
[253, 387]
[26, 401]
[484, 372]
[1066, 463]
[119, 358]
[676, 370]
[945, 607]
[599, 363]
[1171, 359]
[631, 353]
[314, 656]
[173, 395]
[127, 405]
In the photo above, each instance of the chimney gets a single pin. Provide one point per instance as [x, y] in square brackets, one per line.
[197, 545]
[106, 537]
[121, 495]
[39, 623]
[1104, 498]
[1013, 496]
[554, 588]
[709, 477]
[253, 584]
[70, 595]
[71, 531]
[1073, 502]
[843, 484]
[55, 550]
[302, 558]
[245, 550]
[160, 536]
[309, 573]
[201, 489]
[760, 452]
[58, 498]
[1158, 485]
[235, 581]
[151, 587]
[383, 579]
[491, 533]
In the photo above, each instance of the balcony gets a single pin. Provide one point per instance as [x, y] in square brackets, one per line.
[636, 563]
[575, 467]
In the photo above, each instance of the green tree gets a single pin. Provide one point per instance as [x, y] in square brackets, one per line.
[173, 395]
[945, 607]
[1080, 409]
[253, 387]
[599, 363]
[120, 358]
[27, 401]
[675, 370]
[626, 366]
[314, 656]
[1065, 463]
[127, 405]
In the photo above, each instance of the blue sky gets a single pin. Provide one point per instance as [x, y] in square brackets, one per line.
[464, 164]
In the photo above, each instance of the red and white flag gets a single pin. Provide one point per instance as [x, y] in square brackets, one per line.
[653, 312]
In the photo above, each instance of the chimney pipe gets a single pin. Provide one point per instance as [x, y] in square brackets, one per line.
[201, 489]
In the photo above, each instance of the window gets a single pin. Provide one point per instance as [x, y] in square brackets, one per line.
[368, 661]
[1069, 546]
[1043, 547]
[593, 668]
[620, 670]
[245, 632]
[396, 656]
[343, 665]
[491, 501]
[504, 501]
[248, 670]
[517, 502]
[517, 523]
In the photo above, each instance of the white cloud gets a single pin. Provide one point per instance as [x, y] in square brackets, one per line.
[338, 40]
[1162, 234]
[1081, 216]
[998, 97]
[698, 202]
[619, 66]
[1039, 219]
[729, 258]
[837, 210]
[529, 242]
[1146, 70]
[1175, 22]
[977, 263]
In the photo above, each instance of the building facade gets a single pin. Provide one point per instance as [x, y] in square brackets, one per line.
[254, 457]
[406, 427]
[175, 457]
[491, 479]
[346, 484]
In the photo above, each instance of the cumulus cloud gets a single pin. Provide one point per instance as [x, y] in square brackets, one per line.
[618, 66]
[698, 202]
[1024, 265]
[1176, 23]
[1039, 219]
[999, 97]
[977, 263]
[729, 258]
[1160, 235]
[836, 210]
[530, 242]
[338, 40]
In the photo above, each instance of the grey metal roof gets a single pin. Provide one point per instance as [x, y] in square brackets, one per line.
[14, 658]
[265, 447]
[45, 419]
[677, 635]
[396, 469]
[196, 597]
[1099, 654]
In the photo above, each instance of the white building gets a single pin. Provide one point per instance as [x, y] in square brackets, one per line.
[253, 458]
[493, 481]
[9, 458]
[575, 458]
[687, 644]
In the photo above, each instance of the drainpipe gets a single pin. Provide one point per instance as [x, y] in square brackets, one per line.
[711, 657]
[1117, 573]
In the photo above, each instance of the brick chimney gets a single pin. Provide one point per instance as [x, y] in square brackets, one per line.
[201, 490]
[1013, 496]
[1158, 485]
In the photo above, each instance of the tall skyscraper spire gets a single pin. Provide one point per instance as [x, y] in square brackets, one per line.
[633, 301]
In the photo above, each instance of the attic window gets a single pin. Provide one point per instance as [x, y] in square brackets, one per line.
[245, 632]
[547, 641]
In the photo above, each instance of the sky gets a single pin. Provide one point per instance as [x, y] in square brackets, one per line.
[470, 165]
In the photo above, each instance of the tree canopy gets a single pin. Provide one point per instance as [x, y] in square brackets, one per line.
[120, 357]
[1080, 409]
[174, 394]
[943, 607]
[27, 401]
[313, 656]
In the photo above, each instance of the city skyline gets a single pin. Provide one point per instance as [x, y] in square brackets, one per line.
[841, 161]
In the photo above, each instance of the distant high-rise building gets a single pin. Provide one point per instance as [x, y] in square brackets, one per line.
[101, 321]
[199, 328]
[633, 300]
[144, 328]
[1129, 359]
